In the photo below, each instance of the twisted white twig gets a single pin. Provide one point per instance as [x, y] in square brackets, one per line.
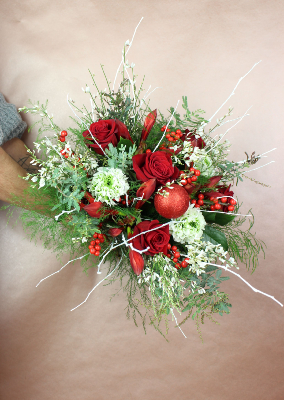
[63, 212]
[233, 92]
[231, 127]
[253, 288]
[79, 258]
[177, 323]
[97, 285]
[130, 44]
[165, 131]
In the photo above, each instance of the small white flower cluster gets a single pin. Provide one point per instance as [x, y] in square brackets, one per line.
[164, 277]
[186, 151]
[200, 130]
[200, 254]
[189, 227]
[202, 161]
[108, 184]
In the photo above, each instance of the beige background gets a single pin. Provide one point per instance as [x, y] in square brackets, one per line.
[187, 47]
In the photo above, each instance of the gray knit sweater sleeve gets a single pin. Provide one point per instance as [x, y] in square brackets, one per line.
[11, 124]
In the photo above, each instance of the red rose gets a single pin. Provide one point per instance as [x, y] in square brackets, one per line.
[157, 239]
[155, 165]
[106, 132]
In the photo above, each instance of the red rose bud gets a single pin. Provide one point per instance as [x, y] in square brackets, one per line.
[93, 209]
[148, 124]
[136, 261]
[146, 190]
[114, 232]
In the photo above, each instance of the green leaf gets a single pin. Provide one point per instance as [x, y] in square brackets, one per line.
[209, 216]
[214, 236]
[223, 219]
[218, 273]
[210, 268]
[124, 142]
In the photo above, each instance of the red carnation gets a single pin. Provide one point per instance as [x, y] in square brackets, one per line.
[155, 165]
[157, 240]
[106, 132]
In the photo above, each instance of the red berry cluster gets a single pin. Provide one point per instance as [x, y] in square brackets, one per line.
[172, 137]
[62, 136]
[122, 200]
[230, 203]
[189, 176]
[94, 246]
[199, 202]
[63, 152]
[175, 255]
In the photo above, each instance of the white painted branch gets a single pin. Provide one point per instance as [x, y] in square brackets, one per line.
[253, 288]
[79, 258]
[97, 285]
[177, 323]
[165, 131]
[233, 92]
[63, 212]
[258, 167]
[130, 44]
[231, 127]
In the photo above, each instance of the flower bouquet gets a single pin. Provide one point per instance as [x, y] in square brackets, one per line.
[145, 195]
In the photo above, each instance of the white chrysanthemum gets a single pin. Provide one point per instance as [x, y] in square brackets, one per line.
[189, 226]
[109, 184]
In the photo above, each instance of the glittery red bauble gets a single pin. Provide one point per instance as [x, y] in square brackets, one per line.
[174, 204]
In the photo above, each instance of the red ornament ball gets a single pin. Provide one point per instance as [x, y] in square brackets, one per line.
[174, 204]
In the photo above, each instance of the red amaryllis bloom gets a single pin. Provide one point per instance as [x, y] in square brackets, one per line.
[106, 132]
[194, 141]
[136, 261]
[157, 240]
[146, 190]
[156, 165]
[148, 124]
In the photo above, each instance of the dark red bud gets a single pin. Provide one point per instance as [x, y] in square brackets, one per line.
[146, 190]
[114, 232]
[148, 124]
[136, 261]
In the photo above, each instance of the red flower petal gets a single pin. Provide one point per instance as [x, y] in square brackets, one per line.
[138, 161]
[114, 232]
[93, 209]
[148, 124]
[136, 261]
[213, 181]
[122, 130]
[146, 190]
